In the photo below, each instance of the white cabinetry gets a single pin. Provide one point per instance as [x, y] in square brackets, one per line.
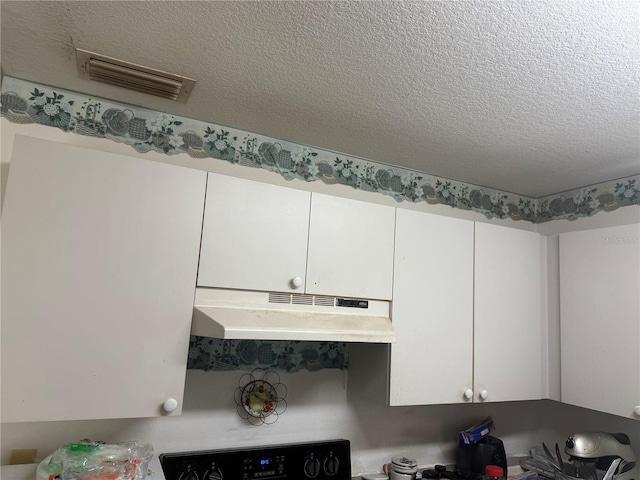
[432, 310]
[466, 312]
[254, 235]
[507, 316]
[600, 319]
[265, 237]
[99, 260]
[350, 248]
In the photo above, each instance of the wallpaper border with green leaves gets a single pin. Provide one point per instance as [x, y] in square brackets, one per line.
[214, 354]
[149, 130]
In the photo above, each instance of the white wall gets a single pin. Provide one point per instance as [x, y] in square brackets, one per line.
[325, 404]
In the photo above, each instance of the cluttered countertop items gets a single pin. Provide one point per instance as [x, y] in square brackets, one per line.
[592, 456]
[28, 471]
[477, 451]
[479, 456]
[90, 460]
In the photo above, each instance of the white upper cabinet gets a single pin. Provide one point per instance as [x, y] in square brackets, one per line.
[99, 262]
[600, 319]
[507, 317]
[432, 310]
[466, 312]
[258, 236]
[254, 235]
[350, 248]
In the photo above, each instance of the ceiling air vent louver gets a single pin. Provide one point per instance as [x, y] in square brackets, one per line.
[99, 68]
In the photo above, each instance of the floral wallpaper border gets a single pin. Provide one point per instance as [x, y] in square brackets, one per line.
[587, 201]
[212, 354]
[148, 130]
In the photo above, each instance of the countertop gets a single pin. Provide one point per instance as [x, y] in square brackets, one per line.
[28, 472]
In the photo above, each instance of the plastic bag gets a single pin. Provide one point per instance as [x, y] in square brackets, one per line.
[87, 460]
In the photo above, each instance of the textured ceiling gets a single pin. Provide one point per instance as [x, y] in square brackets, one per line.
[529, 96]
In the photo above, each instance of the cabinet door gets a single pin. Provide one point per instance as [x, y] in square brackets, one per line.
[600, 319]
[350, 248]
[432, 310]
[254, 235]
[99, 261]
[507, 322]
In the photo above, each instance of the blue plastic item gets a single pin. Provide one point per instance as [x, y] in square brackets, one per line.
[475, 433]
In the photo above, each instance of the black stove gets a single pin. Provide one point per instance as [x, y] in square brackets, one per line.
[328, 460]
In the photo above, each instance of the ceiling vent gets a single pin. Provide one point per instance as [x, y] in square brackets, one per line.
[99, 68]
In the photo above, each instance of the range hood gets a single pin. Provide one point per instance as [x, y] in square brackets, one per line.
[236, 314]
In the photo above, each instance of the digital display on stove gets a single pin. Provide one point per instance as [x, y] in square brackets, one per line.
[263, 467]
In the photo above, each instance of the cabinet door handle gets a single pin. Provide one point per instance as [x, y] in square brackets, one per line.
[637, 410]
[170, 405]
[468, 394]
[484, 395]
[296, 282]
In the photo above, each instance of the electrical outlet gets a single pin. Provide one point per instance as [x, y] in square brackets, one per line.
[23, 456]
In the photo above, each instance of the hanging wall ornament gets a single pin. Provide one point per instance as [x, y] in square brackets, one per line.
[260, 397]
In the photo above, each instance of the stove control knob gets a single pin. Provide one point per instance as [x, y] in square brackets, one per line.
[170, 405]
[484, 395]
[331, 465]
[637, 410]
[312, 467]
[468, 394]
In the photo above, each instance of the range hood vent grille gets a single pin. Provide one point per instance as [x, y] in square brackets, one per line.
[100, 68]
[302, 299]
